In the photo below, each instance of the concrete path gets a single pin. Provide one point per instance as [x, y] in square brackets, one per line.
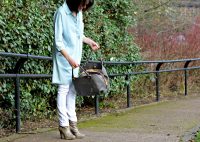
[157, 122]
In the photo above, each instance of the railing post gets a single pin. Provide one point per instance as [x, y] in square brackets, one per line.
[186, 76]
[97, 104]
[17, 69]
[17, 103]
[158, 82]
[128, 90]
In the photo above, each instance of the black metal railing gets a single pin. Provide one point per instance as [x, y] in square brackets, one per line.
[158, 64]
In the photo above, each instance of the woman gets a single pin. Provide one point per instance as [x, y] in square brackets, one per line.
[68, 40]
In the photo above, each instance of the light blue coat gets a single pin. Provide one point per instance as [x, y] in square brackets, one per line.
[68, 35]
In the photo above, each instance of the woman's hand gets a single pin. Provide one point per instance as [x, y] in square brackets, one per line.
[73, 63]
[91, 43]
[94, 45]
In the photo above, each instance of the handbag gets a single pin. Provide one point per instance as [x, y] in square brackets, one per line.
[93, 80]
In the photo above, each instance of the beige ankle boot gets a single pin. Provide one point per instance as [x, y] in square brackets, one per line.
[65, 133]
[74, 130]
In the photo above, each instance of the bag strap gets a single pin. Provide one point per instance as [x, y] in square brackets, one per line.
[73, 73]
[84, 70]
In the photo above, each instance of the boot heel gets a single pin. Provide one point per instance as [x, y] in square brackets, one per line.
[74, 130]
[65, 133]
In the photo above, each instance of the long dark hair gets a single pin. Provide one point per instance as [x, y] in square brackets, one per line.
[74, 4]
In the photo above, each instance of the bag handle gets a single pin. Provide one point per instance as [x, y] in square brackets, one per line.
[82, 69]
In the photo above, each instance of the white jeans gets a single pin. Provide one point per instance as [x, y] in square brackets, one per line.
[66, 104]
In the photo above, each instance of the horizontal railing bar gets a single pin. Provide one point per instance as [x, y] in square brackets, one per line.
[111, 75]
[105, 62]
[5, 54]
[144, 62]
[25, 75]
[160, 71]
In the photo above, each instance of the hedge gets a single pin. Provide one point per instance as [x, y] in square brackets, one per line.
[26, 26]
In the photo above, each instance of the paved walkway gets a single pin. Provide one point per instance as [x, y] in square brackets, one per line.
[157, 122]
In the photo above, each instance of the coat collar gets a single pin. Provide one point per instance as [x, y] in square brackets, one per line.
[66, 8]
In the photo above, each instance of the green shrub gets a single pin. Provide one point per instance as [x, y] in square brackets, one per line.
[197, 139]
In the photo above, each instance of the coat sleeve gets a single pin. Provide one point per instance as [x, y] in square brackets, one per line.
[58, 31]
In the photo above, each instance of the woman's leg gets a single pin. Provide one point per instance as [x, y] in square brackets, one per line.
[64, 128]
[71, 103]
[61, 105]
[71, 111]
